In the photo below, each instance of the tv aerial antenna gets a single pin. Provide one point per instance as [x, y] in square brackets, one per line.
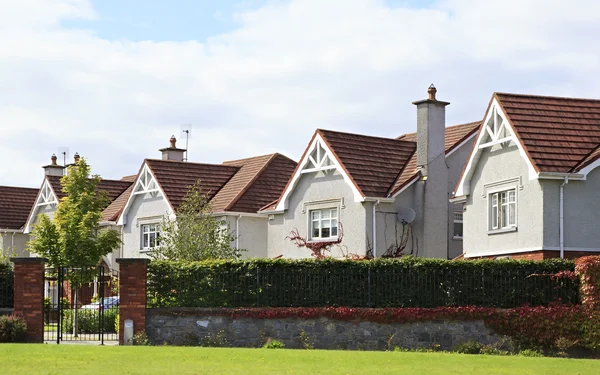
[64, 153]
[186, 132]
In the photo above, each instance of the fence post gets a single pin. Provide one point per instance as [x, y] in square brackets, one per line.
[29, 295]
[132, 291]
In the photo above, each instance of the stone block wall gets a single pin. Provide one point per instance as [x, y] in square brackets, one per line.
[187, 326]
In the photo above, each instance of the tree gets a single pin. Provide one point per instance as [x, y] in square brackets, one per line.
[195, 234]
[73, 236]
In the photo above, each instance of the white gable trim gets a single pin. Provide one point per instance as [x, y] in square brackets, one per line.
[309, 164]
[46, 197]
[495, 122]
[588, 168]
[409, 184]
[469, 138]
[145, 183]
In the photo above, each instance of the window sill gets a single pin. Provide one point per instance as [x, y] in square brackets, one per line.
[457, 238]
[503, 230]
[144, 251]
[328, 239]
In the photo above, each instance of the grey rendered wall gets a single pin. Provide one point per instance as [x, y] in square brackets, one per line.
[252, 235]
[496, 165]
[14, 245]
[389, 230]
[456, 162]
[582, 210]
[147, 209]
[310, 188]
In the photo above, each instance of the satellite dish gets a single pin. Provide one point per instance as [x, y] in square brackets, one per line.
[406, 215]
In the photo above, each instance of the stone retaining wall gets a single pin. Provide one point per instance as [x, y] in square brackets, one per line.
[188, 326]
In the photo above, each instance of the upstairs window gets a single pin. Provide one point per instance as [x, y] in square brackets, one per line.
[324, 224]
[503, 209]
[150, 236]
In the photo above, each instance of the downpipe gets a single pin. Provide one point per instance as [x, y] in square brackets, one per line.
[562, 217]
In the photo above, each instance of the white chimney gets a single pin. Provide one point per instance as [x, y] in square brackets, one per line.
[53, 169]
[172, 152]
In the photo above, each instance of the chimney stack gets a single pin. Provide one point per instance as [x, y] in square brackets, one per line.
[76, 157]
[431, 129]
[432, 191]
[172, 152]
[53, 169]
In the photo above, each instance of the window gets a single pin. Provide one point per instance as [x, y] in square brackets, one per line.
[150, 236]
[458, 225]
[324, 223]
[503, 209]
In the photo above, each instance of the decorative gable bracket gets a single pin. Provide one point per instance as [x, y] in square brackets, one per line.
[46, 197]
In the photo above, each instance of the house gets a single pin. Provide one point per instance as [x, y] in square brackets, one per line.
[531, 185]
[15, 204]
[375, 196]
[50, 193]
[236, 189]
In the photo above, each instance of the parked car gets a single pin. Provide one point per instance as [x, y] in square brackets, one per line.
[107, 303]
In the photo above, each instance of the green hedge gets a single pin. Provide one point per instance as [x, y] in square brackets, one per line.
[404, 282]
[6, 285]
[12, 329]
[88, 320]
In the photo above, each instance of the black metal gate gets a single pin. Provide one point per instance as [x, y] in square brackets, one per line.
[81, 304]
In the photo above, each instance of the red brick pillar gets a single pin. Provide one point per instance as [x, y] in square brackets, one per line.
[132, 289]
[29, 295]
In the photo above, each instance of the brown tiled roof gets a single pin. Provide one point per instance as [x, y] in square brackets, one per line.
[15, 204]
[113, 188]
[112, 211]
[558, 134]
[373, 163]
[175, 178]
[455, 135]
[249, 169]
[267, 185]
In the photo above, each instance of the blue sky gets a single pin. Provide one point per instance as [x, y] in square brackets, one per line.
[178, 20]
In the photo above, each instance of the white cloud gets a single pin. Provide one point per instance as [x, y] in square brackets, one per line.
[288, 69]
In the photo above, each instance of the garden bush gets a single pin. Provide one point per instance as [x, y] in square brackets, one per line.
[12, 329]
[88, 320]
[404, 282]
[6, 285]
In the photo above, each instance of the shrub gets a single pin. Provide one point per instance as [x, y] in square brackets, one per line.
[468, 347]
[273, 344]
[215, 340]
[141, 339]
[404, 282]
[531, 353]
[88, 320]
[12, 329]
[6, 285]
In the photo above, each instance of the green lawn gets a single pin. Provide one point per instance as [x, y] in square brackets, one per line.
[75, 359]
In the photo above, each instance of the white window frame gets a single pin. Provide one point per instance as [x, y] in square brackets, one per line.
[501, 210]
[321, 220]
[457, 221]
[143, 234]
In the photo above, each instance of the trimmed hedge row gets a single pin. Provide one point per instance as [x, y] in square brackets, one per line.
[404, 282]
[6, 285]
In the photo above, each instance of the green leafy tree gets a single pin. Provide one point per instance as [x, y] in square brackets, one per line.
[195, 233]
[73, 236]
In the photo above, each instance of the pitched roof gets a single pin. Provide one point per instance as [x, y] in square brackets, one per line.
[15, 204]
[373, 163]
[113, 188]
[455, 135]
[175, 178]
[558, 134]
[259, 180]
[378, 166]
